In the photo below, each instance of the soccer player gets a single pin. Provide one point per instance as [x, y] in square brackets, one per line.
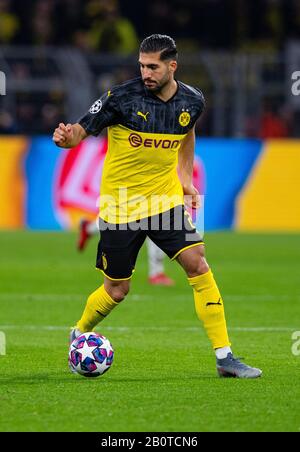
[156, 274]
[151, 130]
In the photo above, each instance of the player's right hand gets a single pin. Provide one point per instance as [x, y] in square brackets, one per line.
[63, 135]
[192, 198]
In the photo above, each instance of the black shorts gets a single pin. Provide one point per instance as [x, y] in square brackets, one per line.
[119, 245]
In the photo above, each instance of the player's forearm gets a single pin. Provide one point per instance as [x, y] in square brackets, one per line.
[78, 135]
[186, 160]
[185, 170]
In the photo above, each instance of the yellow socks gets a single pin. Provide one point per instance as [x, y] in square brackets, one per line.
[98, 306]
[210, 309]
[208, 303]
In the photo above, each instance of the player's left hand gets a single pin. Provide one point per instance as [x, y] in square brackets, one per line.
[63, 135]
[191, 197]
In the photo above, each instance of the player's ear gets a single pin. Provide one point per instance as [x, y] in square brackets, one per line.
[173, 65]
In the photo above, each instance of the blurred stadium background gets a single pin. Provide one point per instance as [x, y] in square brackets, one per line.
[59, 56]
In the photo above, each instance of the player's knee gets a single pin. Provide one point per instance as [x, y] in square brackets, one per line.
[197, 266]
[118, 293]
[193, 261]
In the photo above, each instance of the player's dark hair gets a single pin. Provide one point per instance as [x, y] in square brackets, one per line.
[160, 43]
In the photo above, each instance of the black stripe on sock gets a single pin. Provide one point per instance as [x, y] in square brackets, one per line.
[103, 315]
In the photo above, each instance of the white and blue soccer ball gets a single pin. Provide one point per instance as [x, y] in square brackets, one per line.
[91, 354]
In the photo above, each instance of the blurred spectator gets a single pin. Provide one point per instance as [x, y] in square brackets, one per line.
[260, 25]
[109, 32]
[214, 22]
[26, 112]
[20, 70]
[159, 17]
[42, 23]
[272, 124]
[175, 20]
[7, 123]
[72, 20]
[9, 22]
[52, 110]
[100, 25]
[291, 13]
[51, 116]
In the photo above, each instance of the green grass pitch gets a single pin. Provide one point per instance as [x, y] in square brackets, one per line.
[163, 377]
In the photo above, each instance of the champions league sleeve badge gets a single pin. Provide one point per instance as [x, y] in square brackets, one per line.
[96, 107]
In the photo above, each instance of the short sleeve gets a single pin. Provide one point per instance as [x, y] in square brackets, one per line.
[103, 113]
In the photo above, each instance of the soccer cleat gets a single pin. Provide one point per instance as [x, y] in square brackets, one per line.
[84, 235]
[75, 332]
[161, 279]
[233, 368]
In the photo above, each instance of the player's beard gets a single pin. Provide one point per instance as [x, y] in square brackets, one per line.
[157, 87]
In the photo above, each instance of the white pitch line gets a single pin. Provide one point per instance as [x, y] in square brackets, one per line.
[140, 297]
[40, 296]
[150, 328]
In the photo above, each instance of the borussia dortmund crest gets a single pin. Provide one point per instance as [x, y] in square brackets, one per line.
[184, 118]
[104, 262]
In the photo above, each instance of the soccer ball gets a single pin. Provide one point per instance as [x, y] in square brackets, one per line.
[91, 354]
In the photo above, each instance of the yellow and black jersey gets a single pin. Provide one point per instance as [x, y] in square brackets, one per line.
[144, 135]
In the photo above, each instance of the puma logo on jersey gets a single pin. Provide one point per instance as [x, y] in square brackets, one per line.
[143, 115]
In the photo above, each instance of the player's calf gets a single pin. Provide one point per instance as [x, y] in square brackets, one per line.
[99, 304]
